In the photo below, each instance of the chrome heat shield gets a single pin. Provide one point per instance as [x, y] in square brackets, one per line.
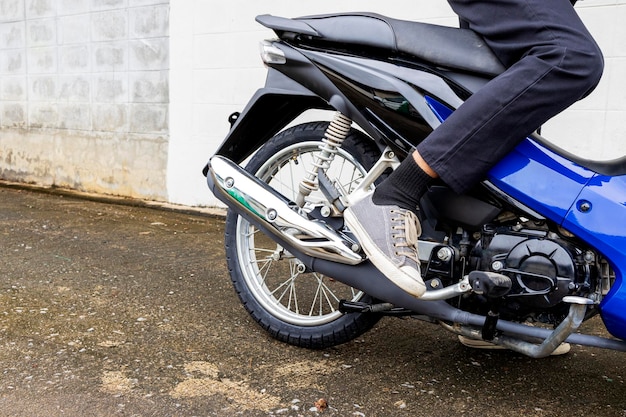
[264, 206]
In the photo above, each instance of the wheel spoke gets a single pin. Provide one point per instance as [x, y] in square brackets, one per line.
[292, 289]
[322, 293]
[280, 185]
[264, 269]
[253, 231]
[264, 250]
[288, 286]
[293, 296]
[326, 292]
[317, 296]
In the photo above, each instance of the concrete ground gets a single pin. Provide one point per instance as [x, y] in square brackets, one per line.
[110, 309]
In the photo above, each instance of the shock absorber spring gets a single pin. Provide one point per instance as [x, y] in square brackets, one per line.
[334, 136]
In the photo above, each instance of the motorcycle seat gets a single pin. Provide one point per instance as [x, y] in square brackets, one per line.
[448, 47]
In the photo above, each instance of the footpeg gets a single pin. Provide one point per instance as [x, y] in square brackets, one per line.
[387, 309]
[346, 306]
[490, 284]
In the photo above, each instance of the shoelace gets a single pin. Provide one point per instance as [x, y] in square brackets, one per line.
[408, 230]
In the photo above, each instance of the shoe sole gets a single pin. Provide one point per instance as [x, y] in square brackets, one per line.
[381, 262]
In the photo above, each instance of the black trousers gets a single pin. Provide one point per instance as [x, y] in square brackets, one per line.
[552, 62]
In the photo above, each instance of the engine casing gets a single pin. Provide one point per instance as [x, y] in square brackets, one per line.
[542, 268]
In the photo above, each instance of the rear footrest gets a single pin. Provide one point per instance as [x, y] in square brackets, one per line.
[380, 308]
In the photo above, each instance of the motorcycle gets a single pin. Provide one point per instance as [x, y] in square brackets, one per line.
[520, 261]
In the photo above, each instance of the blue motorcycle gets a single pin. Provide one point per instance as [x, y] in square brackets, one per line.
[520, 261]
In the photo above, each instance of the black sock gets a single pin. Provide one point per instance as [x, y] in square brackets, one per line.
[404, 187]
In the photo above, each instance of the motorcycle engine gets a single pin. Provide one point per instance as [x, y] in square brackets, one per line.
[543, 263]
[542, 266]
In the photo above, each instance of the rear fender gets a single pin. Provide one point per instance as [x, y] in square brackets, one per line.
[276, 105]
[269, 110]
[281, 101]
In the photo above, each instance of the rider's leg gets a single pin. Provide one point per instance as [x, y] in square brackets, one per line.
[552, 61]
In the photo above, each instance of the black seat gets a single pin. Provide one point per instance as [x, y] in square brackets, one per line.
[460, 49]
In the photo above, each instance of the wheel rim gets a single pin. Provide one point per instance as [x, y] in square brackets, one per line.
[277, 280]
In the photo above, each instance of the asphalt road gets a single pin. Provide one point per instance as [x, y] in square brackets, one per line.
[109, 309]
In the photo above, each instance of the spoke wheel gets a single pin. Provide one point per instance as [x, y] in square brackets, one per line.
[294, 304]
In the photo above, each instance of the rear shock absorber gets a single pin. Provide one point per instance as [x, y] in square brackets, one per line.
[336, 133]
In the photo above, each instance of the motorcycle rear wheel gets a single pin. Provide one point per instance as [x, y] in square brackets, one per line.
[292, 304]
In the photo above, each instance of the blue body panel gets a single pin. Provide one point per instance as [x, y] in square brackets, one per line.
[540, 179]
[604, 227]
[591, 206]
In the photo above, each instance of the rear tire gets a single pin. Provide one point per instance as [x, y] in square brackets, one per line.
[294, 305]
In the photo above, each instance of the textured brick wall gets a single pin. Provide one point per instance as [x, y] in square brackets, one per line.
[84, 94]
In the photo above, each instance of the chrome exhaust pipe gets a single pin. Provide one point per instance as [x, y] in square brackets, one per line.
[264, 206]
[575, 317]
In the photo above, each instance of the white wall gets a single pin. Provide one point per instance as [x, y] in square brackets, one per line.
[215, 68]
[84, 94]
[596, 126]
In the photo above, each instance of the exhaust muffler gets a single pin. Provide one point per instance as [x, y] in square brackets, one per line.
[264, 206]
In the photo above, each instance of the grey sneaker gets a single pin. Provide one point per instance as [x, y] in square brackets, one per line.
[388, 235]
